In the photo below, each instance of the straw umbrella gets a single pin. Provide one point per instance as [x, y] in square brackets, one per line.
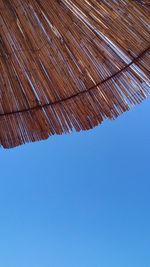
[69, 64]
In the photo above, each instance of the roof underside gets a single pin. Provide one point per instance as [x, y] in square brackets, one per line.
[69, 64]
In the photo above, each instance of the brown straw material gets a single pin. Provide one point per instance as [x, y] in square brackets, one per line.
[69, 64]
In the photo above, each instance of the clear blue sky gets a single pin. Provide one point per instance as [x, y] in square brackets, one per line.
[79, 200]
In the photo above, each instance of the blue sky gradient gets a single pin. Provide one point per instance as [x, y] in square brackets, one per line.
[79, 200]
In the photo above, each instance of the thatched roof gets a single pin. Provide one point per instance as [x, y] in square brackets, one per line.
[69, 64]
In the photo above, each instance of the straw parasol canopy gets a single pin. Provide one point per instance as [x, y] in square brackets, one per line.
[69, 64]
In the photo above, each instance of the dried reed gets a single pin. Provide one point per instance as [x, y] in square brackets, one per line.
[69, 64]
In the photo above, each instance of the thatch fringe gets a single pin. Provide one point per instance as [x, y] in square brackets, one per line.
[69, 65]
